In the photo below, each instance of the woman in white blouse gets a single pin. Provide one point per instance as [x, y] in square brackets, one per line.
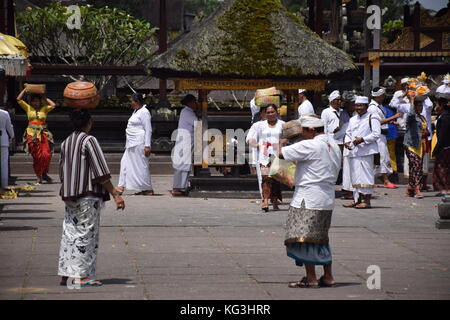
[268, 143]
[135, 166]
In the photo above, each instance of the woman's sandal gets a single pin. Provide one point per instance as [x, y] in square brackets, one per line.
[363, 205]
[322, 283]
[303, 283]
[350, 205]
[91, 283]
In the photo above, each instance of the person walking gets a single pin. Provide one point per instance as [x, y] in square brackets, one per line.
[415, 144]
[184, 146]
[135, 166]
[391, 137]
[376, 107]
[6, 135]
[318, 160]
[37, 139]
[361, 138]
[268, 142]
[441, 153]
[85, 186]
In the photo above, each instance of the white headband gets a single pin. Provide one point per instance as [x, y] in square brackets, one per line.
[301, 90]
[334, 95]
[308, 121]
[378, 93]
[361, 100]
[404, 80]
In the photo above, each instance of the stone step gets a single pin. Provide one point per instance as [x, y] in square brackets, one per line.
[22, 163]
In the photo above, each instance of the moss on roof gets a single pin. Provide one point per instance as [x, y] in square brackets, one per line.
[252, 39]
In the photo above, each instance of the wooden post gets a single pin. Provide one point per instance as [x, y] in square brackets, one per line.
[416, 26]
[162, 41]
[376, 72]
[296, 103]
[319, 18]
[203, 100]
[288, 104]
[311, 14]
[366, 77]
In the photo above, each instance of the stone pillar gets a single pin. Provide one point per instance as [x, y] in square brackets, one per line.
[444, 214]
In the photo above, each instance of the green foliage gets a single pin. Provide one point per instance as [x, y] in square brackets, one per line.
[392, 26]
[395, 9]
[132, 7]
[108, 36]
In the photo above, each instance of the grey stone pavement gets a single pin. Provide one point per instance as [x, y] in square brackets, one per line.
[183, 248]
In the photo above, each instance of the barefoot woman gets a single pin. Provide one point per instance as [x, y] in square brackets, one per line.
[37, 139]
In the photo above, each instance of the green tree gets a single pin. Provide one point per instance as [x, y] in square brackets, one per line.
[108, 36]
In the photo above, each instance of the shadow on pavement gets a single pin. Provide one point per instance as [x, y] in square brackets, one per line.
[116, 281]
[17, 228]
[27, 211]
[26, 218]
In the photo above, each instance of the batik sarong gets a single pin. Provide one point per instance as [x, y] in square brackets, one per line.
[441, 173]
[415, 168]
[80, 238]
[306, 237]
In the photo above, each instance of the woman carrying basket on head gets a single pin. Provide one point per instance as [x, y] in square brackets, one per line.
[37, 139]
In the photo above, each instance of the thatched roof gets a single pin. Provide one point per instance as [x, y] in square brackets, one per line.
[251, 39]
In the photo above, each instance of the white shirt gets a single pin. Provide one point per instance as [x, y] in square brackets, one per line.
[331, 119]
[6, 128]
[183, 147]
[378, 109]
[318, 164]
[359, 127]
[305, 107]
[268, 140]
[139, 128]
[253, 134]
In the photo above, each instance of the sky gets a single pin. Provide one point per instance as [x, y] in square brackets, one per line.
[433, 4]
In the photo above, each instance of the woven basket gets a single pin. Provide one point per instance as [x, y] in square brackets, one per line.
[35, 88]
[264, 97]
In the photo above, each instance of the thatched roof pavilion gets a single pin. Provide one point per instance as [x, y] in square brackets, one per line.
[251, 39]
[250, 44]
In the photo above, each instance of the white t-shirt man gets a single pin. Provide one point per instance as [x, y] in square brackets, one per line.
[318, 164]
[305, 107]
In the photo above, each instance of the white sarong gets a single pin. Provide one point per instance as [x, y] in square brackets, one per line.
[135, 170]
[346, 174]
[80, 238]
[362, 175]
[385, 160]
[180, 179]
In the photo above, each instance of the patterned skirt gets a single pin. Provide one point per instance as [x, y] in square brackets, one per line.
[80, 238]
[307, 239]
[271, 188]
[441, 173]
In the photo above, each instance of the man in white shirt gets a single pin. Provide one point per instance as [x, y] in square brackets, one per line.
[6, 133]
[361, 140]
[331, 118]
[318, 160]
[305, 106]
[376, 107]
[347, 113]
[184, 146]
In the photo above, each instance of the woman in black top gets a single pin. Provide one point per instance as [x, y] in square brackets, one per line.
[441, 173]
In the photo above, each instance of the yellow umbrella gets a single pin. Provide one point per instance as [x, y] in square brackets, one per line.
[16, 43]
[6, 48]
